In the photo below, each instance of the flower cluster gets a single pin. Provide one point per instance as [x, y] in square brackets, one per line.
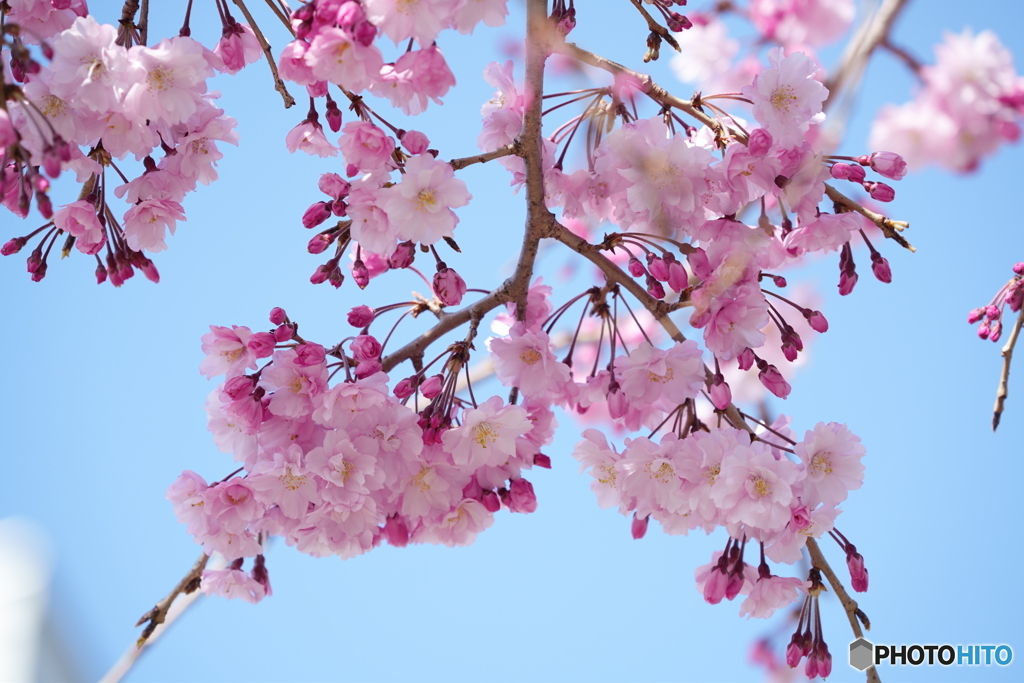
[969, 103]
[991, 316]
[335, 469]
[113, 100]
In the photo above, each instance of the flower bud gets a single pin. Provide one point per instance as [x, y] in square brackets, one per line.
[639, 526]
[774, 382]
[847, 280]
[365, 347]
[277, 315]
[888, 164]
[816, 320]
[309, 353]
[880, 267]
[431, 386]
[636, 269]
[746, 359]
[334, 186]
[360, 316]
[319, 243]
[367, 368]
[521, 497]
[841, 171]
[858, 573]
[405, 388]
[284, 333]
[654, 288]
[721, 394]
[658, 268]
[448, 285]
[880, 191]
[261, 344]
[360, 273]
[316, 214]
[541, 460]
[403, 255]
[699, 263]
[415, 142]
[333, 116]
[13, 246]
[396, 532]
[237, 387]
[490, 501]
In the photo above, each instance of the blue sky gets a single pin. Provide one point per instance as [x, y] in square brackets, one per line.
[104, 409]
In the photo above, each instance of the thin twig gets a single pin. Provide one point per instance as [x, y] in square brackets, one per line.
[280, 15]
[279, 86]
[508, 150]
[655, 27]
[1004, 376]
[143, 24]
[904, 56]
[853, 612]
[159, 619]
[889, 227]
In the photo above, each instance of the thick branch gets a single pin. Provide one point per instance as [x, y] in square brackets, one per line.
[1004, 376]
[279, 86]
[507, 150]
[872, 33]
[853, 613]
[888, 226]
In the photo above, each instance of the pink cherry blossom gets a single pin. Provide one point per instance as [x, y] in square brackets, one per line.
[487, 435]
[420, 206]
[232, 583]
[831, 454]
[146, 223]
[786, 96]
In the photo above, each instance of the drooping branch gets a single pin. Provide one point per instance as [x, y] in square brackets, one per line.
[279, 86]
[853, 612]
[514, 148]
[655, 27]
[888, 226]
[1004, 376]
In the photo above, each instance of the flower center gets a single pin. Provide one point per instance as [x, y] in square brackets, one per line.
[425, 200]
[160, 78]
[760, 486]
[290, 481]
[783, 97]
[821, 463]
[661, 379]
[663, 474]
[484, 434]
[530, 356]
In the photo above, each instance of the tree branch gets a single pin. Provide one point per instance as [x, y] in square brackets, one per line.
[888, 226]
[160, 618]
[508, 150]
[1004, 376]
[279, 86]
[646, 83]
[872, 33]
[853, 612]
[655, 27]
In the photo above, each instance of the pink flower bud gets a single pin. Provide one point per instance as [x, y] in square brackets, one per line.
[880, 192]
[824, 660]
[360, 274]
[858, 573]
[678, 278]
[334, 186]
[316, 214]
[746, 359]
[794, 652]
[677, 22]
[976, 315]
[721, 394]
[277, 315]
[101, 274]
[654, 288]
[880, 267]
[997, 331]
[262, 344]
[404, 388]
[541, 460]
[415, 142]
[448, 285]
[521, 497]
[319, 243]
[889, 164]
[367, 368]
[847, 280]
[396, 532]
[309, 354]
[333, 116]
[320, 275]
[360, 316]
[658, 268]
[284, 333]
[431, 386]
[236, 387]
[816, 320]
[1019, 268]
[774, 382]
[490, 501]
[714, 587]
[365, 347]
[841, 171]
[734, 584]
[636, 269]
[639, 526]
[13, 246]
[983, 330]
[801, 517]
[992, 311]
[403, 255]
[760, 142]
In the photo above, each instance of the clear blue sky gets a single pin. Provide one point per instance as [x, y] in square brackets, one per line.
[103, 409]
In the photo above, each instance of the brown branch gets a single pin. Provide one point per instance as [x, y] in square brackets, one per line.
[281, 15]
[853, 612]
[514, 148]
[1004, 376]
[889, 227]
[143, 24]
[279, 86]
[655, 27]
[160, 617]
[904, 56]
[872, 33]
[647, 85]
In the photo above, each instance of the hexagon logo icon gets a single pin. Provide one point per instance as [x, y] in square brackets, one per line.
[862, 654]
